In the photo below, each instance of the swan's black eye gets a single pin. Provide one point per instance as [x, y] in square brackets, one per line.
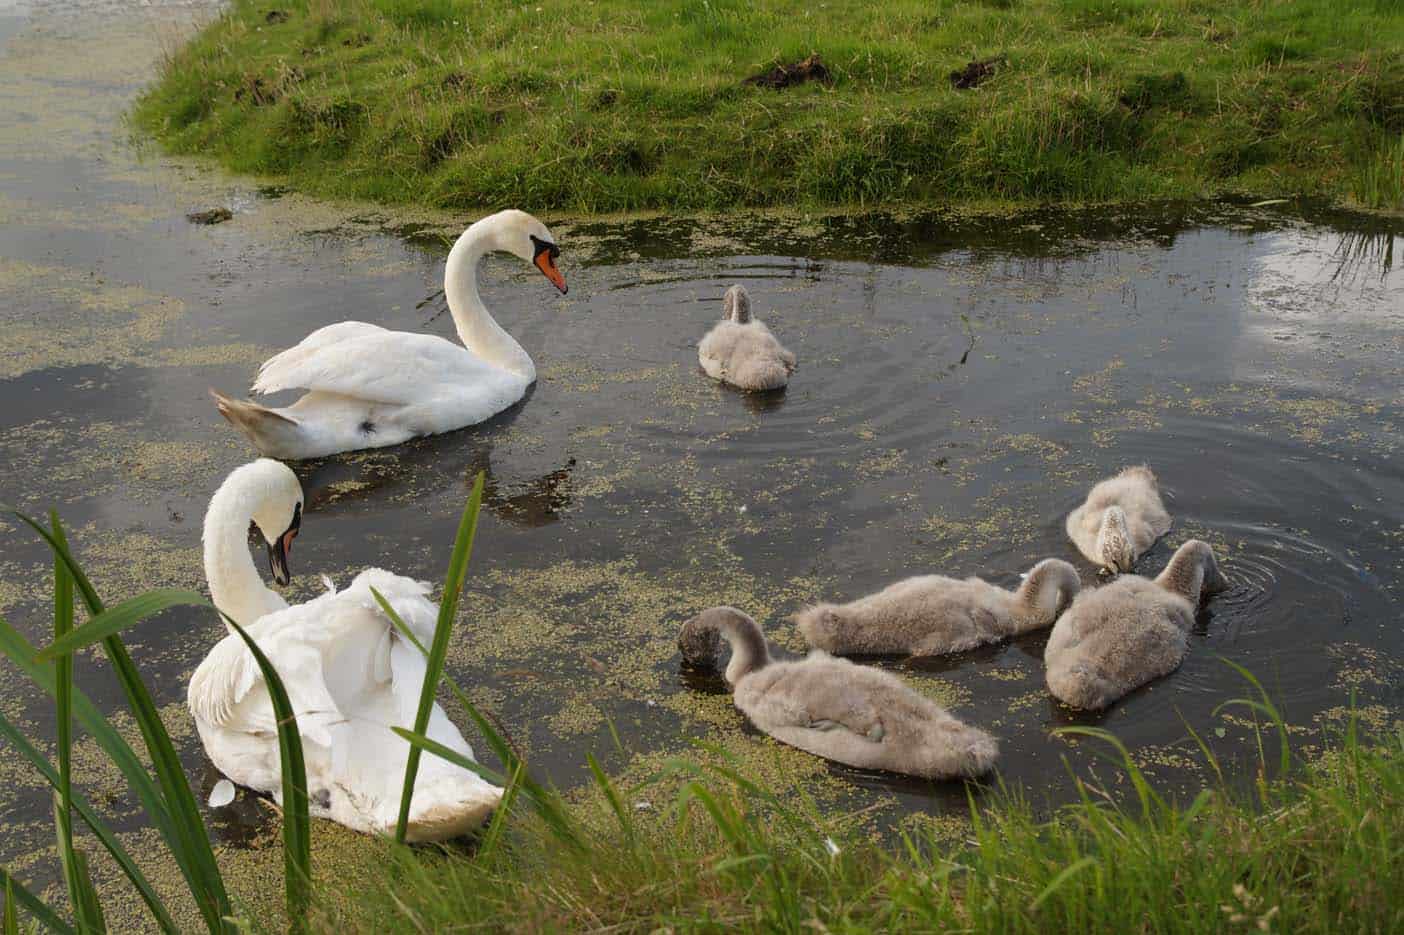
[296, 520]
[540, 246]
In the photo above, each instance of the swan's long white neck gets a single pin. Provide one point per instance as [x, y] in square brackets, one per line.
[236, 587]
[476, 327]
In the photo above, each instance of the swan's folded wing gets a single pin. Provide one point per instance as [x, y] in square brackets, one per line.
[228, 691]
[410, 599]
[222, 681]
[316, 341]
[390, 367]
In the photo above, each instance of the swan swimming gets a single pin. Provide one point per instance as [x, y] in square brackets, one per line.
[829, 707]
[929, 615]
[349, 675]
[1121, 518]
[368, 387]
[1119, 637]
[740, 350]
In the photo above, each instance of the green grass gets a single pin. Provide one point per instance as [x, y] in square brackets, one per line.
[1321, 851]
[615, 105]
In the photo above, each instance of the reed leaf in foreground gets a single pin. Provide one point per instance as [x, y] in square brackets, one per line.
[297, 822]
[546, 803]
[183, 828]
[80, 896]
[100, 830]
[9, 923]
[448, 609]
[297, 835]
[17, 895]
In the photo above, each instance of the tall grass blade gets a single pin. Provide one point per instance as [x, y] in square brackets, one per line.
[297, 821]
[87, 910]
[20, 652]
[100, 830]
[1148, 797]
[504, 808]
[1064, 875]
[1266, 708]
[185, 831]
[16, 894]
[117, 618]
[611, 796]
[10, 923]
[543, 801]
[448, 609]
[419, 741]
[63, 715]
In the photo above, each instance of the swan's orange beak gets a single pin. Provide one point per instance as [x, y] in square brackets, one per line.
[546, 262]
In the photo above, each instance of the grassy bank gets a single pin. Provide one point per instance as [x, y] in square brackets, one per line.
[1319, 853]
[622, 104]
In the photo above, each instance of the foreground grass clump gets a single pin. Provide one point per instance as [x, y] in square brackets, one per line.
[1321, 852]
[625, 104]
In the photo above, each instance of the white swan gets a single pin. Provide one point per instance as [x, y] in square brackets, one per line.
[740, 350]
[1121, 518]
[368, 387]
[832, 708]
[348, 674]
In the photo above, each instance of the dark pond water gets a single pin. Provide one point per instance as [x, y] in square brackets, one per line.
[962, 382]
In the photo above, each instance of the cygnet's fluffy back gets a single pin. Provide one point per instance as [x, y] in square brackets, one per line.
[932, 614]
[741, 350]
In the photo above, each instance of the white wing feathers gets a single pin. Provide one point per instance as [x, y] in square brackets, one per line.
[391, 367]
[321, 338]
[294, 641]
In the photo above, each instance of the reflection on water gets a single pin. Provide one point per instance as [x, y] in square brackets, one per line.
[962, 381]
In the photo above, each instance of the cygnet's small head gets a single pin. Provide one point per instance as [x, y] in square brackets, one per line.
[521, 234]
[700, 642]
[277, 512]
[1114, 541]
[736, 305]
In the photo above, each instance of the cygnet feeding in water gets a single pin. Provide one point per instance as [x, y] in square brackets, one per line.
[928, 615]
[1121, 518]
[740, 350]
[1119, 637]
[851, 714]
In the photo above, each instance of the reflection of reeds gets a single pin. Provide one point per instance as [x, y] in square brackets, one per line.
[1360, 252]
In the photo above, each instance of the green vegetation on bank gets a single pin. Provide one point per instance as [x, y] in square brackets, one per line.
[702, 848]
[605, 105]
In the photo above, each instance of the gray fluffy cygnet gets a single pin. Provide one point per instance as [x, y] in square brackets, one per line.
[928, 615]
[1117, 638]
[740, 350]
[1120, 519]
[829, 707]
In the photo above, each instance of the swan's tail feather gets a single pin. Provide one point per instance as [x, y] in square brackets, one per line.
[757, 375]
[1081, 686]
[272, 433]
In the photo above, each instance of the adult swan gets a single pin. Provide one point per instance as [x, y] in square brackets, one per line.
[368, 387]
[349, 675]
